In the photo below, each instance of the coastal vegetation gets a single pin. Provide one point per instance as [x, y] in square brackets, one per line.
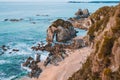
[103, 63]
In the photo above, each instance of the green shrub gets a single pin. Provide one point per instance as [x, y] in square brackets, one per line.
[106, 47]
[107, 71]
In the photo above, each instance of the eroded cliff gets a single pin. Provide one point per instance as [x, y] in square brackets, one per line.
[104, 36]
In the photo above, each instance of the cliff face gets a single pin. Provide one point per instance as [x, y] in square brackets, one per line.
[104, 35]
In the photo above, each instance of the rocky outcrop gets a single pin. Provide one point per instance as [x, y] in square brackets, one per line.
[84, 23]
[81, 20]
[77, 43]
[104, 34]
[56, 52]
[31, 65]
[82, 14]
[61, 30]
[13, 20]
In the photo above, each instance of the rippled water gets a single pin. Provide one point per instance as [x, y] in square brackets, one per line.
[24, 34]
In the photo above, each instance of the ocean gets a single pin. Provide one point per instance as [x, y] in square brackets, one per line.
[22, 35]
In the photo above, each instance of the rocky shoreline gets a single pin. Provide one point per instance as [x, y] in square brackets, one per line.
[71, 57]
[61, 35]
[58, 35]
[103, 39]
[103, 63]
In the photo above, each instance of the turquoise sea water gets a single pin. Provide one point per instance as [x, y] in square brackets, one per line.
[24, 34]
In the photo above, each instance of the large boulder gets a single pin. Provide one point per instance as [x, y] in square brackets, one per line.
[61, 30]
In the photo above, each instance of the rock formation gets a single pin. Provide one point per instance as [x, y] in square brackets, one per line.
[61, 30]
[31, 64]
[104, 34]
[81, 20]
[78, 43]
[82, 14]
[84, 23]
[14, 20]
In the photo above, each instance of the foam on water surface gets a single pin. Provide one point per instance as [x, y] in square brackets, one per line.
[4, 61]
[22, 35]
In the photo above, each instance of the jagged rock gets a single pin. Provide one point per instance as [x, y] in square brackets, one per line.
[15, 50]
[35, 72]
[78, 43]
[39, 47]
[82, 23]
[31, 64]
[79, 12]
[86, 13]
[82, 14]
[37, 58]
[62, 30]
[82, 19]
[57, 54]
[27, 62]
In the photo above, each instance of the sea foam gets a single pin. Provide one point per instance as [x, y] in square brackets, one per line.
[4, 62]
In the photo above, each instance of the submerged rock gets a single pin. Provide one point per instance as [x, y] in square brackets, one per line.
[33, 22]
[14, 20]
[6, 19]
[4, 47]
[61, 30]
[42, 15]
[15, 50]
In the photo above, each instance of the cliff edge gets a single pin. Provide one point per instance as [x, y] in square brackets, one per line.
[104, 37]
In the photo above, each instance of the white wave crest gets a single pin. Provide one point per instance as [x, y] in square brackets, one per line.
[4, 61]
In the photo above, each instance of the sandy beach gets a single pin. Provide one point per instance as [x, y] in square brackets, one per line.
[66, 68]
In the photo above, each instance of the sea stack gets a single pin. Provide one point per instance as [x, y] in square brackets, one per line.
[61, 30]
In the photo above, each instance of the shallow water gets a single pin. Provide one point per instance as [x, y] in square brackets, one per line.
[24, 34]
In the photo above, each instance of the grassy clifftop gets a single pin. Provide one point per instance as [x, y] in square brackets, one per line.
[104, 34]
